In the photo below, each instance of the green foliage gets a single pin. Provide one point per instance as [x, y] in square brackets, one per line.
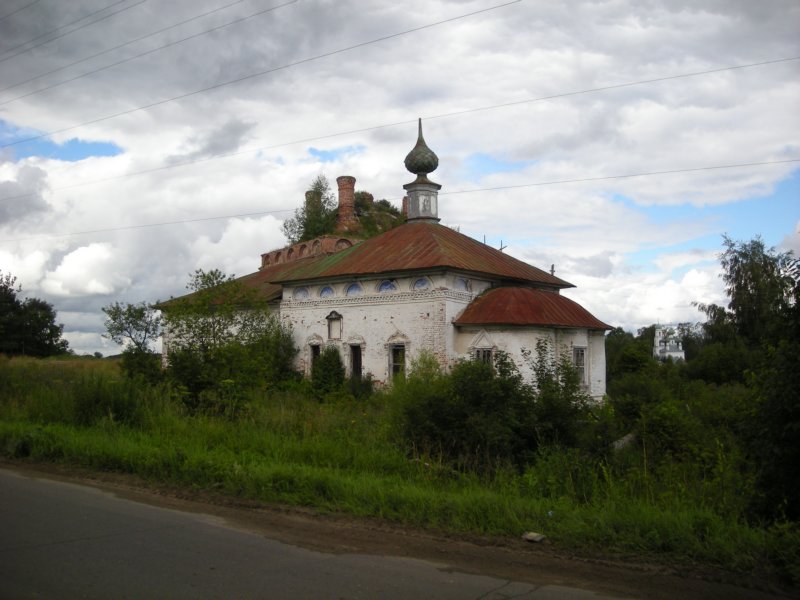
[375, 217]
[223, 340]
[777, 440]
[483, 416]
[27, 327]
[628, 354]
[318, 214]
[316, 217]
[136, 324]
[560, 403]
[142, 363]
[342, 455]
[327, 372]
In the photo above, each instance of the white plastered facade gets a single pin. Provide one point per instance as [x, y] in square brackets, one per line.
[417, 315]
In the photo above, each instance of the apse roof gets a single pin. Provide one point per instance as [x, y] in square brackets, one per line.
[527, 306]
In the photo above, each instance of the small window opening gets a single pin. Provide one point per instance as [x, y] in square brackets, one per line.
[579, 363]
[397, 360]
[484, 355]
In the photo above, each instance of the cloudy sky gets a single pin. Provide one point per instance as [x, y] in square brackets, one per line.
[618, 140]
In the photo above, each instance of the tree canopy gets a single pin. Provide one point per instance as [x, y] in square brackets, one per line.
[316, 217]
[318, 214]
[27, 327]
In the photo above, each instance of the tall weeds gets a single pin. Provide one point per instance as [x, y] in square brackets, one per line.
[347, 455]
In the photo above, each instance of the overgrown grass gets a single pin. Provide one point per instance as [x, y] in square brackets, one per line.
[343, 455]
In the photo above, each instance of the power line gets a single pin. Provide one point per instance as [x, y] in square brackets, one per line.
[627, 176]
[470, 191]
[259, 74]
[398, 123]
[21, 8]
[5, 58]
[130, 58]
[147, 225]
[128, 43]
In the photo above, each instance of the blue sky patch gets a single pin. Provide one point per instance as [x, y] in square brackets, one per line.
[335, 153]
[478, 165]
[71, 151]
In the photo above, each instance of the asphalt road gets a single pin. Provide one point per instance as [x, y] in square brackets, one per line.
[62, 540]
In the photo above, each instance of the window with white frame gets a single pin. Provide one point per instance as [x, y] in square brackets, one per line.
[579, 363]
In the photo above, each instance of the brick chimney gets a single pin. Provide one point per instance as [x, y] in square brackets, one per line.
[346, 220]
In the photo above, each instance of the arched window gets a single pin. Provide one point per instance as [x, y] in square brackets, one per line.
[462, 285]
[354, 289]
[300, 293]
[387, 286]
[423, 283]
[326, 292]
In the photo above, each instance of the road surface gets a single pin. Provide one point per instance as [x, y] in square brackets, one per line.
[60, 539]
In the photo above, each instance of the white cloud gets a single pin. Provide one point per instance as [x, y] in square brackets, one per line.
[596, 232]
[86, 271]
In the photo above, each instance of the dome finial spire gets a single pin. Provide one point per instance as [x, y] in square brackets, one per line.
[421, 160]
[422, 192]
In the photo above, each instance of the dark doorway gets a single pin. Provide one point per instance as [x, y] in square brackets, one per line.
[355, 362]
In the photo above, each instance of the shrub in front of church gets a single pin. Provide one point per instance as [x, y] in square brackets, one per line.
[225, 343]
[481, 416]
[327, 374]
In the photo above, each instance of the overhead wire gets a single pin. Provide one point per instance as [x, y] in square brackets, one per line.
[103, 18]
[117, 47]
[260, 73]
[141, 54]
[399, 123]
[21, 8]
[468, 191]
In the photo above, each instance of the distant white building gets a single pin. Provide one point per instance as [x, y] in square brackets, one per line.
[666, 344]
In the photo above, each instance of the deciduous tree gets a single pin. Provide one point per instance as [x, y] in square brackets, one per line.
[27, 326]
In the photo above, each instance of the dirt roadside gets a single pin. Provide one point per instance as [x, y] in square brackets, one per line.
[621, 576]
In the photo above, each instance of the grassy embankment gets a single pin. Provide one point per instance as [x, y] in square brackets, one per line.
[345, 456]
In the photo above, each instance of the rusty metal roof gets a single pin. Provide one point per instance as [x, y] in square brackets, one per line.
[527, 306]
[416, 246]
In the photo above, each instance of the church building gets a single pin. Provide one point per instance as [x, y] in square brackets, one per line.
[421, 286]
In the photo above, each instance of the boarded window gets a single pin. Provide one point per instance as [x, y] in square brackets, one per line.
[334, 326]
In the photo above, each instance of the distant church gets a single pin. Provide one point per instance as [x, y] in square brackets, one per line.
[421, 287]
[666, 344]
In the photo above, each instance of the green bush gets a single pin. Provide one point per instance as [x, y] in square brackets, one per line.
[327, 373]
[142, 363]
[483, 416]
